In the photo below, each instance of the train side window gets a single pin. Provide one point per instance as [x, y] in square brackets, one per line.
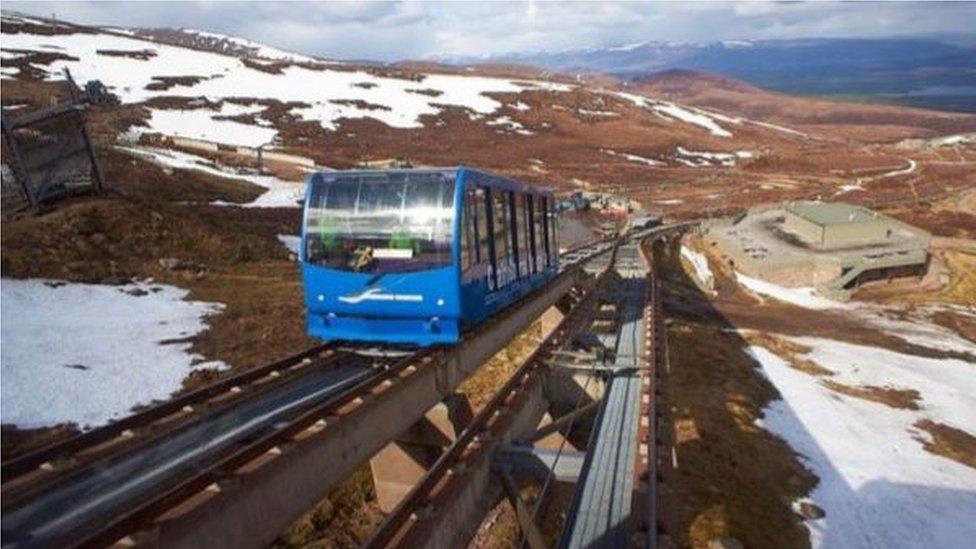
[501, 221]
[522, 245]
[480, 210]
[467, 232]
[529, 200]
[553, 230]
[515, 251]
[539, 216]
[489, 210]
[543, 208]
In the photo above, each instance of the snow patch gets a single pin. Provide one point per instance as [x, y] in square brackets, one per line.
[703, 274]
[199, 124]
[878, 485]
[850, 187]
[673, 111]
[292, 242]
[692, 117]
[915, 326]
[703, 159]
[88, 353]
[608, 114]
[387, 100]
[280, 193]
[778, 128]
[633, 157]
[255, 48]
[802, 297]
[953, 140]
[511, 125]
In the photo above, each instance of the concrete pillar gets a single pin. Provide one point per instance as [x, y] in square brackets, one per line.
[550, 320]
[401, 464]
[556, 440]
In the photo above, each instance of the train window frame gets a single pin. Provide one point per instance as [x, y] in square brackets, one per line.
[467, 234]
[537, 245]
[553, 229]
[504, 258]
[482, 227]
[471, 209]
[522, 249]
[545, 229]
[489, 205]
[529, 200]
[513, 233]
[332, 229]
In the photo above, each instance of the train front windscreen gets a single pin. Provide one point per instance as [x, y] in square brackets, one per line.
[382, 222]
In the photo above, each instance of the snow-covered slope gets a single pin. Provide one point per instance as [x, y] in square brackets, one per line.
[215, 75]
[690, 115]
[878, 485]
[324, 94]
[221, 43]
[279, 194]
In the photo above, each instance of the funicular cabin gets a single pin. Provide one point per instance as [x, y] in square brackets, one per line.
[420, 256]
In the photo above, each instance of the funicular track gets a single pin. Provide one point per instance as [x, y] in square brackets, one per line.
[615, 479]
[230, 464]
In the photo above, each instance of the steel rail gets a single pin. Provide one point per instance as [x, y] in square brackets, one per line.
[128, 522]
[32, 460]
[99, 460]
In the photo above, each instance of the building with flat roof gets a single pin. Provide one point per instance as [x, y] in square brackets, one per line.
[836, 224]
[832, 246]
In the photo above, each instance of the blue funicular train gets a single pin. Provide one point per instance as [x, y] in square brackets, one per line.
[418, 256]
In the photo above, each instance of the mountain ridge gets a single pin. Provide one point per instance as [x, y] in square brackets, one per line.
[917, 71]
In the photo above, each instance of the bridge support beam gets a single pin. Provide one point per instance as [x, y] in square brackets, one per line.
[399, 465]
[471, 490]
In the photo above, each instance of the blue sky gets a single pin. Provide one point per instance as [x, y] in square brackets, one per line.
[390, 31]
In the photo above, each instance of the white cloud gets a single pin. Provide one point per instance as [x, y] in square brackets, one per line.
[400, 30]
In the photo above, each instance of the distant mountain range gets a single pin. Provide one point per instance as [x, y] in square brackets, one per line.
[916, 71]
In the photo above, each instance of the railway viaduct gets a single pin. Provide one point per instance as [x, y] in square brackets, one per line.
[235, 463]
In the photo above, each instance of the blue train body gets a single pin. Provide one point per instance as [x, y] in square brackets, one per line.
[419, 256]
